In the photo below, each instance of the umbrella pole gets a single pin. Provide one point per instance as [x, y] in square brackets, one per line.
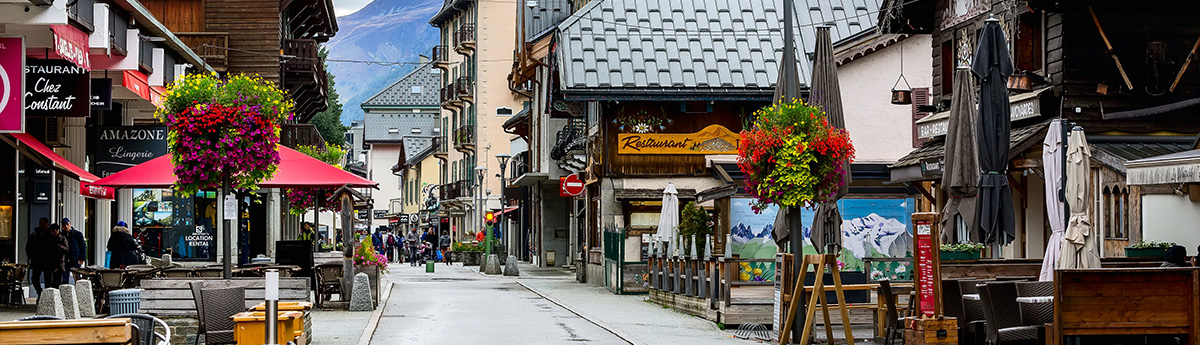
[226, 242]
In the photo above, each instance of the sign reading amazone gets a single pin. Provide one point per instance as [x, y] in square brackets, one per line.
[712, 140]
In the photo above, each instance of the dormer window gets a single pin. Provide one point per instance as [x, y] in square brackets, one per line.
[393, 131]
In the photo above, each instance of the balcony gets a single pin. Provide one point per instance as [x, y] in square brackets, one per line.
[441, 57]
[303, 75]
[464, 138]
[449, 96]
[212, 47]
[440, 151]
[451, 191]
[294, 135]
[82, 12]
[465, 86]
[464, 39]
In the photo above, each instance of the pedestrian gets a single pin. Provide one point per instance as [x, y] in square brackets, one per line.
[307, 233]
[444, 246]
[1176, 257]
[76, 248]
[392, 241]
[41, 249]
[413, 241]
[123, 247]
[377, 240]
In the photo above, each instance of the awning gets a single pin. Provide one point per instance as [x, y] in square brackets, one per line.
[37, 151]
[926, 162]
[1022, 106]
[507, 210]
[1175, 168]
[1114, 152]
[296, 170]
[650, 194]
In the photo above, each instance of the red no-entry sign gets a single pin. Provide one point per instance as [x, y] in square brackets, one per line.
[570, 186]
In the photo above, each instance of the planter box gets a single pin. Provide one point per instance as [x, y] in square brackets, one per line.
[1145, 252]
[948, 256]
[372, 272]
[467, 258]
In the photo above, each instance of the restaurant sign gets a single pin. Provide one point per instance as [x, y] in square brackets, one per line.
[12, 84]
[121, 147]
[711, 140]
[927, 275]
[57, 88]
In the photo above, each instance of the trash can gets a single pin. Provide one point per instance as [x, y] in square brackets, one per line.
[124, 301]
[429, 267]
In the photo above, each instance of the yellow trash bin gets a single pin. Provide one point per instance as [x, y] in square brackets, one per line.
[250, 327]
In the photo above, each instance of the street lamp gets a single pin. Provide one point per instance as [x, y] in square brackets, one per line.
[503, 158]
[480, 173]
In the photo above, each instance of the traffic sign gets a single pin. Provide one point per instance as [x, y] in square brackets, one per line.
[570, 186]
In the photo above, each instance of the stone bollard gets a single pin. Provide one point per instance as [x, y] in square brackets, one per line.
[360, 295]
[493, 265]
[510, 267]
[166, 260]
[66, 293]
[50, 303]
[83, 298]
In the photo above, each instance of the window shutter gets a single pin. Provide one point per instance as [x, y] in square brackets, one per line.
[920, 97]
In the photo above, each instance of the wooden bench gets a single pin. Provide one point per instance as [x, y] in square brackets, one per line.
[173, 297]
[1127, 301]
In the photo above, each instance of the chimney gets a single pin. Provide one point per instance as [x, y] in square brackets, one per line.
[422, 59]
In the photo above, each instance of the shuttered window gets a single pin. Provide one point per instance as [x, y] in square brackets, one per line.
[920, 96]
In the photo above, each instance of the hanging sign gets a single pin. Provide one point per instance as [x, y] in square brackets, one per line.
[230, 208]
[71, 44]
[102, 94]
[712, 140]
[570, 186]
[121, 147]
[97, 192]
[927, 277]
[12, 84]
[56, 88]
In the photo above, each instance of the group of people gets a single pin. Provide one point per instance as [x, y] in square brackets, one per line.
[416, 247]
[53, 250]
[1177, 257]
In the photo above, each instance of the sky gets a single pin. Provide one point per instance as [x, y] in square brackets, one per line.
[345, 7]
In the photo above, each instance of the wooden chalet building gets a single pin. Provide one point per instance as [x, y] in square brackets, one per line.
[1066, 55]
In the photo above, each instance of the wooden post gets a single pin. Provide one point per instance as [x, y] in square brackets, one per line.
[347, 245]
[819, 262]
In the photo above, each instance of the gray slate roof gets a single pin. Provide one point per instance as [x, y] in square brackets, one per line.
[377, 127]
[416, 149]
[400, 93]
[689, 46]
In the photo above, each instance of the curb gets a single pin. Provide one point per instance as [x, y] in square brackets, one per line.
[365, 338]
[597, 322]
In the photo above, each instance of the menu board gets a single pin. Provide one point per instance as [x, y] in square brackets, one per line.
[925, 257]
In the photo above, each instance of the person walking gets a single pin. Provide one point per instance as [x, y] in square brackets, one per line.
[42, 250]
[76, 249]
[391, 246]
[444, 246]
[123, 246]
[413, 241]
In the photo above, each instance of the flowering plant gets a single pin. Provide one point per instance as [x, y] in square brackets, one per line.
[304, 199]
[217, 127]
[365, 254]
[792, 156]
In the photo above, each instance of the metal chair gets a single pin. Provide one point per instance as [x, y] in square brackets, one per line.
[215, 307]
[329, 281]
[146, 326]
[41, 318]
[892, 327]
[1003, 315]
[7, 284]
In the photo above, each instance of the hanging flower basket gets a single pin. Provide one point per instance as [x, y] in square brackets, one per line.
[223, 127]
[792, 157]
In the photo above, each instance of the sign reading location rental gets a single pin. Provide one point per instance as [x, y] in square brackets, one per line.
[570, 186]
[57, 88]
[12, 84]
[121, 147]
[711, 140]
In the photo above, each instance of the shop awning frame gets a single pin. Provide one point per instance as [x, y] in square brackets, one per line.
[45, 156]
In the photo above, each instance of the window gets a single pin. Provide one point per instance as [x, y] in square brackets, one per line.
[947, 69]
[393, 131]
[416, 130]
[1027, 48]
[1116, 212]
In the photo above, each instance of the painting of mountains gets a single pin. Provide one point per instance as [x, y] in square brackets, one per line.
[383, 31]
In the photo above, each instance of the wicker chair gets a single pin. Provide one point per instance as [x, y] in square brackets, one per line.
[41, 318]
[971, 323]
[893, 330]
[1036, 314]
[146, 326]
[1035, 289]
[1003, 315]
[109, 280]
[329, 281]
[214, 308]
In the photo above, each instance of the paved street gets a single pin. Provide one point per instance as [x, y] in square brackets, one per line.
[457, 305]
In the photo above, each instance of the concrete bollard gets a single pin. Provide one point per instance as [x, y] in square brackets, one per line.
[360, 295]
[83, 298]
[66, 293]
[493, 265]
[510, 267]
[50, 303]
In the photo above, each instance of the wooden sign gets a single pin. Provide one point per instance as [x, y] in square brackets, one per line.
[928, 267]
[712, 140]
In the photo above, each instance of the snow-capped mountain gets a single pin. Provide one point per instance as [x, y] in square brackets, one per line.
[886, 236]
[743, 233]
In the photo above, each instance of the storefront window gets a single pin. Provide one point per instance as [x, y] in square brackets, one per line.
[180, 225]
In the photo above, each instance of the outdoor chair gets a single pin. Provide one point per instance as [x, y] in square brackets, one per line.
[109, 280]
[214, 309]
[1036, 314]
[892, 327]
[146, 326]
[329, 281]
[1035, 289]
[971, 323]
[41, 318]
[952, 304]
[9, 285]
[1003, 315]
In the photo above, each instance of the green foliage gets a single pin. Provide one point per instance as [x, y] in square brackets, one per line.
[331, 155]
[694, 224]
[466, 247]
[962, 247]
[329, 122]
[1153, 244]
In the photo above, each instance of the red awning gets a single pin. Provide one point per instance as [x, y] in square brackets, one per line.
[296, 170]
[507, 210]
[33, 148]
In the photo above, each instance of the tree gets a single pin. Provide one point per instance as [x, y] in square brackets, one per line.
[329, 122]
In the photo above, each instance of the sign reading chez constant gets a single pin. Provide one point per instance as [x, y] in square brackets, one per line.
[711, 140]
[121, 147]
[56, 88]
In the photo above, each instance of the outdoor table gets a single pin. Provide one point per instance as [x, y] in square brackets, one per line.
[102, 331]
[971, 297]
[1037, 299]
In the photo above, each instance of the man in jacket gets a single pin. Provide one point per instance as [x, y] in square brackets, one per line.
[413, 240]
[444, 246]
[76, 248]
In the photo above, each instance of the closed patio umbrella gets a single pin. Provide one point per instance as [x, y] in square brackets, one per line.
[1079, 242]
[992, 66]
[668, 220]
[826, 94]
[1052, 165]
[960, 178]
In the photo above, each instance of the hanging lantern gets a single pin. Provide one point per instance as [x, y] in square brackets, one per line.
[901, 96]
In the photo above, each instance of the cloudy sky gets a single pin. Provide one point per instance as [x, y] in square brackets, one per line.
[344, 7]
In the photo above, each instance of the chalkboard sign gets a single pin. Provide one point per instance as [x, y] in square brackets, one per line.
[297, 253]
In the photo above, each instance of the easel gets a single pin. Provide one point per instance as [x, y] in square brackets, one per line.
[819, 262]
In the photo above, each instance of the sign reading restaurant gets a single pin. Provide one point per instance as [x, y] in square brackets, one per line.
[711, 140]
[56, 88]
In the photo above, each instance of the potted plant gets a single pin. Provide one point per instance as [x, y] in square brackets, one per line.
[367, 260]
[694, 224]
[961, 251]
[467, 253]
[1151, 249]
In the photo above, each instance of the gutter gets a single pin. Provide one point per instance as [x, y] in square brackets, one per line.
[143, 16]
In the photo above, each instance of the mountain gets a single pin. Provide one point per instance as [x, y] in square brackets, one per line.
[875, 234]
[384, 30]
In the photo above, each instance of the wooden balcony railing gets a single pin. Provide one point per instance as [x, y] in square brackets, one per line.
[212, 47]
[301, 55]
[464, 137]
[294, 135]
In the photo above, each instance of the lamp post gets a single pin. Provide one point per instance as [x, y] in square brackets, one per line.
[503, 158]
[480, 173]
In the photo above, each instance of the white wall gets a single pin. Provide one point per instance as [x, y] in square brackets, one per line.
[879, 129]
[1168, 217]
[380, 159]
